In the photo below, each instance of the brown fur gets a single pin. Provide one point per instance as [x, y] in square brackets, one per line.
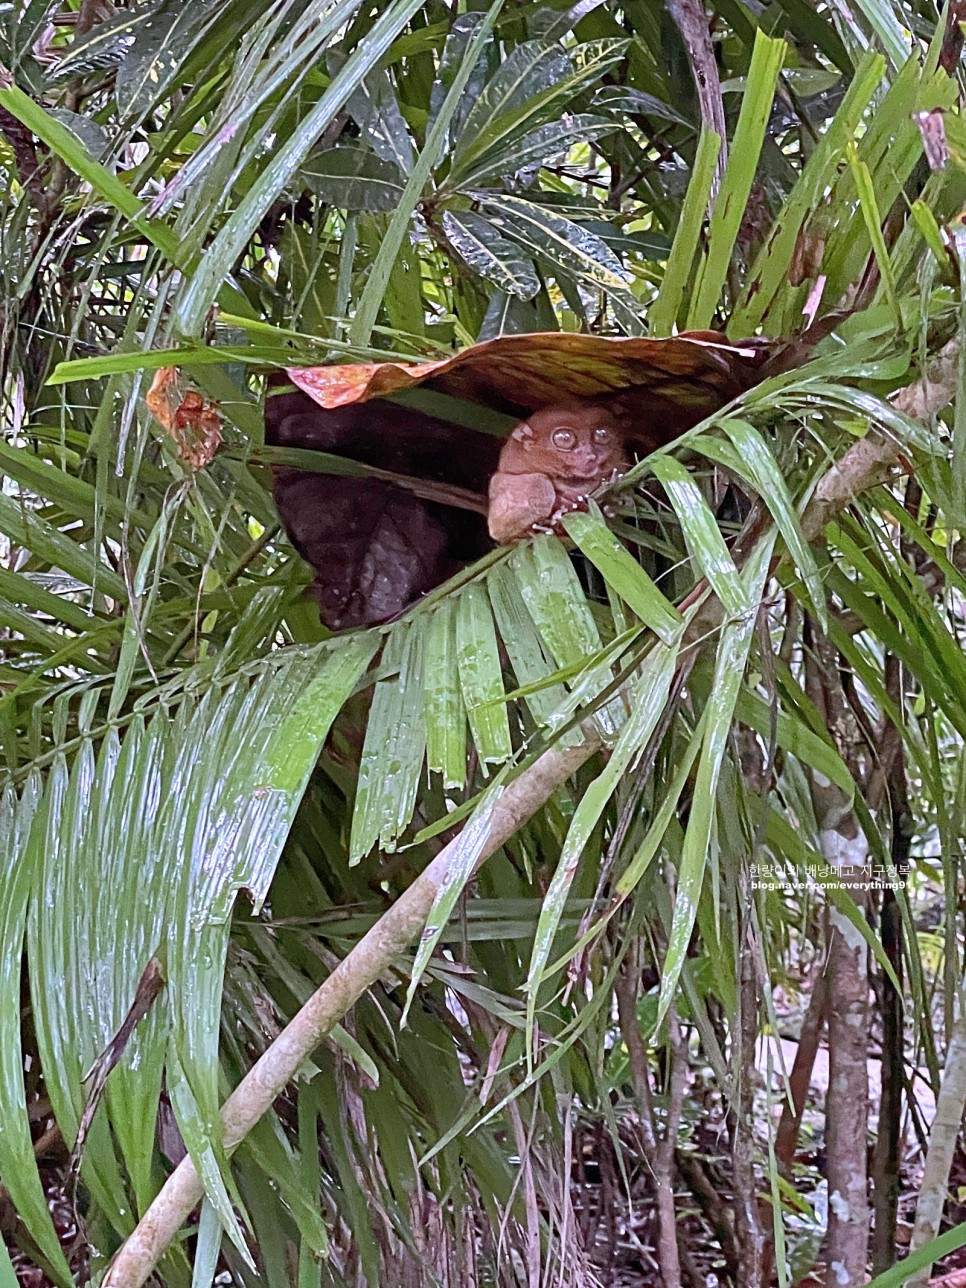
[550, 464]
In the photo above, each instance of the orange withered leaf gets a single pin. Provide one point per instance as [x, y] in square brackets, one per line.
[667, 383]
[193, 421]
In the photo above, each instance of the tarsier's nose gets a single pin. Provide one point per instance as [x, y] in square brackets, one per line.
[585, 458]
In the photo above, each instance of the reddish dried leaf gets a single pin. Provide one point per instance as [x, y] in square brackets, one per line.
[164, 396]
[191, 420]
[527, 372]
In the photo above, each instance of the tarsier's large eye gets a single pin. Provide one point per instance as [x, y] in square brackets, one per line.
[565, 439]
[602, 434]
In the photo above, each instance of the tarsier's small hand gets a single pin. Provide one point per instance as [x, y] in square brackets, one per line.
[550, 464]
[568, 506]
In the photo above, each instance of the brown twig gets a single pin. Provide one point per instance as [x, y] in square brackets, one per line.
[659, 1145]
[692, 22]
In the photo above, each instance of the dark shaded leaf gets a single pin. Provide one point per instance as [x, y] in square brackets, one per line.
[105, 45]
[623, 100]
[375, 109]
[353, 178]
[93, 136]
[462, 31]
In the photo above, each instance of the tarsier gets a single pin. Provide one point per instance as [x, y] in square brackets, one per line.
[550, 464]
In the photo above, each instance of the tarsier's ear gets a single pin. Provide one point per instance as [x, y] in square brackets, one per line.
[521, 432]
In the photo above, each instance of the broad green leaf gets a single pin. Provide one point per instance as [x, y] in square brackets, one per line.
[561, 241]
[761, 468]
[531, 69]
[525, 648]
[375, 288]
[354, 178]
[678, 274]
[733, 649]
[891, 31]
[623, 100]
[732, 199]
[480, 678]
[623, 573]
[234, 812]
[88, 133]
[873, 223]
[533, 94]
[445, 714]
[18, 1165]
[57, 549]
[497, 260]
[463, 859]
[555, 600]
[234, 236]
[769, 273]
[395, 744]
[72, 152]
[103, 47]
[648, 693]
[794, 736]
[702, 534]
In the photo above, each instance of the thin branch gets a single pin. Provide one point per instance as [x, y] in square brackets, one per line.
[692, 22]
